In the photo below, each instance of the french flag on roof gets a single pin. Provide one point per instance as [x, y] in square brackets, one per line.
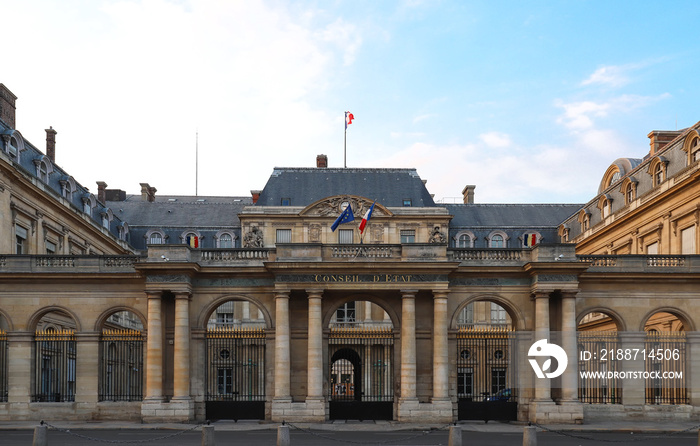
[366, 218]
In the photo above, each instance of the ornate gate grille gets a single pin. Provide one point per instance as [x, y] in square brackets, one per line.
[666, 356]
[486, 374]
[361, 373]
[54, 366]
[121, 365]
[594, 388]
[235, 375]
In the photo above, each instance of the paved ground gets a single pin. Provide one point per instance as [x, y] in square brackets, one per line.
[345, 433]
[372, 426]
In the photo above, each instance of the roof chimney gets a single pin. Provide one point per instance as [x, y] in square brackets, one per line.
[101, 186]
[7, 106]
[256, 195]
[321, 161]
[148, 193]
[468, 193]
[51, 144]
[658, 139]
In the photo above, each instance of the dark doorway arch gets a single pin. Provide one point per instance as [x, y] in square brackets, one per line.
[346, 375]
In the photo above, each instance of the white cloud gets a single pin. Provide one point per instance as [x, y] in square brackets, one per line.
[579, 115]
[423, 117]
[612, 75]
[495, 139]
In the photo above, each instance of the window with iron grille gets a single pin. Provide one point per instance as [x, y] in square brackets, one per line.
[284, 236]
[55, 379]
[408, 236]
[345, 236]
[121, 365]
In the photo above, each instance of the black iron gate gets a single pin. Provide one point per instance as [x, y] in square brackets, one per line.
[235, 374]
[665, 360]
[361, 384]
[486, 374]
[596, 387]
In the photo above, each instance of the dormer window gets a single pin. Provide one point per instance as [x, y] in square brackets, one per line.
[629, 194]
[43, 169]
[695, 149]
[658, 174]
[156, 238]
[692, 147]
[464, 239]
[226, 241]
[43, 172]
[13, 148]
[657, 170]
[497, 239]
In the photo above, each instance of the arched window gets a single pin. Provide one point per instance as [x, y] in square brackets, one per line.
[629, 193]
[156, 238]
[226, 240]
[464, 239]
[695, 149]
[658, 174]
[43, 172]
[497, 240]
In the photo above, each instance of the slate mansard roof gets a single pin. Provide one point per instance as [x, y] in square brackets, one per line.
[304, 186]
[510, 215]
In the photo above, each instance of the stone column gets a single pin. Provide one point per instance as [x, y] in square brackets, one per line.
[408, 344]
[282, 347]
[87, 358]
[692, 358]
[181, 355]
[315, 347]
[569, 380]
[154, 349]
[543, 387]
[633, 390]
[440, 352]
[19, 371]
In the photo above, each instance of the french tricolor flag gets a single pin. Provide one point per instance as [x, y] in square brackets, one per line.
[348, 119]
[366, 218]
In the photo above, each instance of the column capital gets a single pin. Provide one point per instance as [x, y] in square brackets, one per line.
[315, 293]
[183, 295]
[541, 294]
[408, 293]
[440, 294]
[569, 293]
[154, 294]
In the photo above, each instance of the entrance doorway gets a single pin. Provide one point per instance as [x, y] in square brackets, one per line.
[360, 369]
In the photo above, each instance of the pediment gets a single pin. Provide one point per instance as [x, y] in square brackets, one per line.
[333, 206]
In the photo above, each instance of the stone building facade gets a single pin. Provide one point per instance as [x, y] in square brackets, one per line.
[254, 307]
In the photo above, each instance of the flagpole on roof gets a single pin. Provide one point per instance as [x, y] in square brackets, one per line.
[345, 142]
[196, 164]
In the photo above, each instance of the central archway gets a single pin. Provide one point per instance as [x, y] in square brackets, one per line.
[360, 366]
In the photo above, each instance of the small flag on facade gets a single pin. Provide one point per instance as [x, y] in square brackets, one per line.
[366, 218]
[348, 119]
[193, 241]
[345, 217]
[530, 239]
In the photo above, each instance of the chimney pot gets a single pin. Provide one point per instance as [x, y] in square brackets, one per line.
[468, 193]
[321, 161]
[256, 195]
[658, 139]
[101, 186]
[51, 144]
[7, 106]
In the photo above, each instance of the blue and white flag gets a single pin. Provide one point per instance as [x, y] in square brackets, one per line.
[345, 217]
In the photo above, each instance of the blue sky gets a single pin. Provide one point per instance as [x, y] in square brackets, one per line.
[529, 101]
